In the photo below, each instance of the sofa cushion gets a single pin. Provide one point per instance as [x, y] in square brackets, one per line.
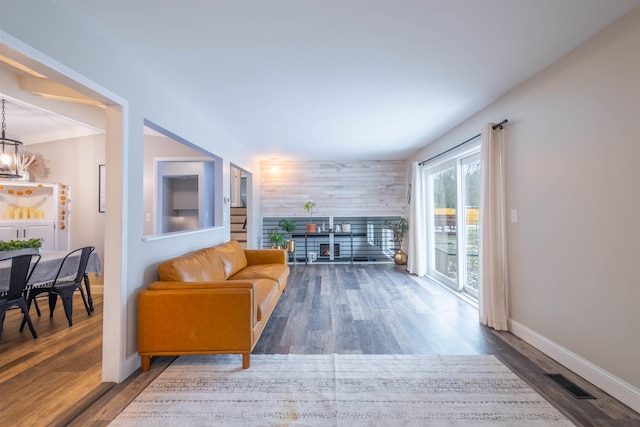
[266, 294]
[277, 272]
[204, 265]
[232, 257]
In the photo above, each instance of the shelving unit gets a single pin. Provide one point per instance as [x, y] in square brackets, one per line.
[367, 240]
[35, 210]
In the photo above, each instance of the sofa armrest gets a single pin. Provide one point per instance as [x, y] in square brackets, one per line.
[265, 256]
[178, 317]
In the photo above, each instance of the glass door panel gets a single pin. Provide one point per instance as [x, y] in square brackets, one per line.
[471, 222]
[445, 230]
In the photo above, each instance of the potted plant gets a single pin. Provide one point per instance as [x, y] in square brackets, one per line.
[399, 227]
[311, 228]
[276, 239]
[16, 247]
[289, 227]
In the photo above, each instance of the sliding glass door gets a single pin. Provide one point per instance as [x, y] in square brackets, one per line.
[453, 223]
[470, 223]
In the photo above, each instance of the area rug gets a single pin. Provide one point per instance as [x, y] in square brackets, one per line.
[339, 390]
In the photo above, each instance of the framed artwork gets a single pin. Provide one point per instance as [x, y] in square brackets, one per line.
[102, 179]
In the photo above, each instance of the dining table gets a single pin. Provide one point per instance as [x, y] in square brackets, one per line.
[45, 271]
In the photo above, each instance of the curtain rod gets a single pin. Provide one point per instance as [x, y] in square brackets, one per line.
[499, 125]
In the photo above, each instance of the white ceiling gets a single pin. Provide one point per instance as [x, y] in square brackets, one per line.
[344, 79]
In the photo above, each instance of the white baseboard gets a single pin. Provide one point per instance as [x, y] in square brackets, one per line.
[597, 376]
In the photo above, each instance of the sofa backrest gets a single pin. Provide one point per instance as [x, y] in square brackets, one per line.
[232, 256]
[205, 265]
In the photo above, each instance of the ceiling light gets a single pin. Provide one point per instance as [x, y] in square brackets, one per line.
[9, 153]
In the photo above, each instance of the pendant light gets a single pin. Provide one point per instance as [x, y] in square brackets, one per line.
[9, 153]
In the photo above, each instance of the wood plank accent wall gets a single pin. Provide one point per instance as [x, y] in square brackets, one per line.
[352, 188]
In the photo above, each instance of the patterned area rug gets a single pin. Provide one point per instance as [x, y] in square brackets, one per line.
[340, 390]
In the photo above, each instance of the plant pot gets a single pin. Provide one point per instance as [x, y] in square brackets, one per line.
[400, 258]
[311, 228]
[291, 246]
[16, 252]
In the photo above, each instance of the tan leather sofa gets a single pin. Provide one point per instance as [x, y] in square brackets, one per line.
[211, 301]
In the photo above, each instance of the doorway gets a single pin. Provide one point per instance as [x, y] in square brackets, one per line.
[107, 119]
[238, 200]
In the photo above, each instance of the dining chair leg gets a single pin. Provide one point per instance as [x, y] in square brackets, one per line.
[53, 299]
[66, 297]
[87, 285]
[35, 302]
[25, 311]
[84, 300]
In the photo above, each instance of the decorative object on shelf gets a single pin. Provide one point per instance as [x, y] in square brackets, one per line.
[346, 228]
[32, 167]
[399, 227]
[289, 227]
[10, 151]
[312, 256]
[308, 206]
[277, 239]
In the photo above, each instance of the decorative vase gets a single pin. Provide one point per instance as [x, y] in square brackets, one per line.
[400, 258]
[311, 228]
[291, 246]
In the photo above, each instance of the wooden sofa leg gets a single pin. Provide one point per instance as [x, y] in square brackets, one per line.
[146, 363]
[246, 360]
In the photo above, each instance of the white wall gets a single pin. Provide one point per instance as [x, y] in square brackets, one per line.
[90, 65]
[75, 162]
[572, 149]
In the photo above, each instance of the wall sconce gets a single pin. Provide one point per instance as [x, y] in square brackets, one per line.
[8, 153]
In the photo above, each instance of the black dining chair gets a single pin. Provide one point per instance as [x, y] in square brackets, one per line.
[65, 285]
[21, 269]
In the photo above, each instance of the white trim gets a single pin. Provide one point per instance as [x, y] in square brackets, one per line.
[621, 390]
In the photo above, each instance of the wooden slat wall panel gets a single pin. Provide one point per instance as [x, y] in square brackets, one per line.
[354, 188]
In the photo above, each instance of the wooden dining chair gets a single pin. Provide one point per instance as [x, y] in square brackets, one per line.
[21, 269]
[65, 287]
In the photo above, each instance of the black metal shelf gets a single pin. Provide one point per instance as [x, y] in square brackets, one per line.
[368, 240]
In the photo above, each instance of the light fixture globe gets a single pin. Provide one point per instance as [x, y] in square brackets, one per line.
[9, 152]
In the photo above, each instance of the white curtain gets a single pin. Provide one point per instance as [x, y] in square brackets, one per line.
[493, 275]
[417, 250]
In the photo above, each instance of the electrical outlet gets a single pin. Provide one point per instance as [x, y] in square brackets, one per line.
[514, 215]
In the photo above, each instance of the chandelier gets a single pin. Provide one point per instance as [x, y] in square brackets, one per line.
[9, 153]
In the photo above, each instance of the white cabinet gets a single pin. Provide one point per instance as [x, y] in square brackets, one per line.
[31, 210]
[30, 229]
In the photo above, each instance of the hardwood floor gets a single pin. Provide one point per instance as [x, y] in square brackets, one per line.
[371, 309]
[46, 380]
